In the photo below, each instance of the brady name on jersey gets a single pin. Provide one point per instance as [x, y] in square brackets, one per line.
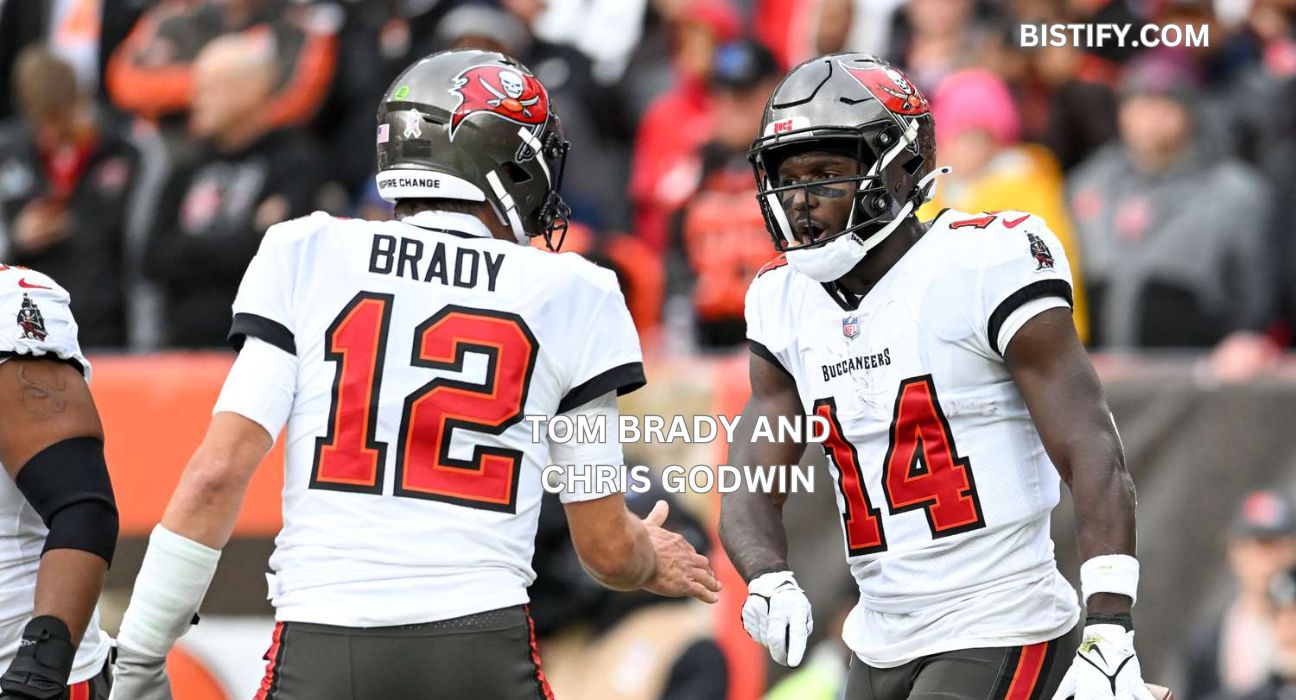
[402, 356]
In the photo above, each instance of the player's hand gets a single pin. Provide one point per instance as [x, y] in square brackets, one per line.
[1105, 667]
[777, 614]
[138, 676]
[40, 668]
[680, 570]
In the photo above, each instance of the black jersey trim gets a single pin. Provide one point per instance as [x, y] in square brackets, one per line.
[623, 378]
[261, 328]
[764, 353]
[452, 232]
[1031, 292]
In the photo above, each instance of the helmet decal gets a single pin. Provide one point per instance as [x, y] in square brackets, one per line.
[896, 92]
[502, 91]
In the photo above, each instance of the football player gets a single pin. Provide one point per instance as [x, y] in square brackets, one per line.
[403, 357]
[943, 358]
[59, 529]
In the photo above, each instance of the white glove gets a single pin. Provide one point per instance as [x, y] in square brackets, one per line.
[777, 615]
[1105, 667]
[137, 676]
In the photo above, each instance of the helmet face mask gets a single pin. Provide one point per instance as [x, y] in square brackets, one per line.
[844, 103]
[475, 126]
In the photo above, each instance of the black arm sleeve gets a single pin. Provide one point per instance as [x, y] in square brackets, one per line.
[67, 484]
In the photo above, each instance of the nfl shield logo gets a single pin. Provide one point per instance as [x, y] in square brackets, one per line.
[850, 326]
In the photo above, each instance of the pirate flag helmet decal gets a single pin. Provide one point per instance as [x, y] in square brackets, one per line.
[500, 91]
[476, 126]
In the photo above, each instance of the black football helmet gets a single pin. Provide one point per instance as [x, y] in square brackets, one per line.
[849, 103]
[477, 126]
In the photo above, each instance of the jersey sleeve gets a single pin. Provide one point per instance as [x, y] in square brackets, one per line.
[1021, 271]
[263, 308]
[607, 357]
[36, 318]
[760, 312]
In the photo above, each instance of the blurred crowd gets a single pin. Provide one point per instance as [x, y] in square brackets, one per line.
[1246, 649]
[145, 147]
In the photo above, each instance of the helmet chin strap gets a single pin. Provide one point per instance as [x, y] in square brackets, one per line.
[832, 260]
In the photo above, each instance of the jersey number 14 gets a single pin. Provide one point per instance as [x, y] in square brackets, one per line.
[922, 469]
[350, 458]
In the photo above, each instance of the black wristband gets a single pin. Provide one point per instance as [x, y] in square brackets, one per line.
[41, 668]
[767, 570]
[1123, 619]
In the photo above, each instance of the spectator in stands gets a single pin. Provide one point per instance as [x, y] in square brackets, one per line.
[678, 122]
[1173, 235]
[1280, 683]
[1233, 653]
[941, 36]
[719, 241]
[978, 134]
[253, 175]
[152, 73]
[796, 30]
[66, 177]
[595, 185]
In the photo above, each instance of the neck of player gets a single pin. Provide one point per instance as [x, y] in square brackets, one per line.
[862, 278]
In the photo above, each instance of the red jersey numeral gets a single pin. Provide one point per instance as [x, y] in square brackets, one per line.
[978, 222]
[424, 468]
[864, 533]
[922, 469]
[349, 458]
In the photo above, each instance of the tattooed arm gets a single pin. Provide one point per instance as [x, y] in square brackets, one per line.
[43, 402]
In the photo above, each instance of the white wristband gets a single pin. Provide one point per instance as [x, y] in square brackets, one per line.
[1110, 573]
[168, 590]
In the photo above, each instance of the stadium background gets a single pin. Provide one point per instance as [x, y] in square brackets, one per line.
[142, 157]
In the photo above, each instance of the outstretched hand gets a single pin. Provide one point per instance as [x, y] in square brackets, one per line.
[680, 570]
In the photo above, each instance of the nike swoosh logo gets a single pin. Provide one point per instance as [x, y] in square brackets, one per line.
[22, 282]
[1013, 223]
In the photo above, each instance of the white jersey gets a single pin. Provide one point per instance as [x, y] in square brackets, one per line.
[35, 321]
[943, 484]
[413, 485]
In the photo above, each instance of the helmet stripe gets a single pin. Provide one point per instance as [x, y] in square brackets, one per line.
[530, 139]
[510, 209]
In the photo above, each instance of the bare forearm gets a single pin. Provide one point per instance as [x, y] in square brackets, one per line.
[67, 586]
[752, 532]
[1104, 502]
[636, 560]
[205, 505]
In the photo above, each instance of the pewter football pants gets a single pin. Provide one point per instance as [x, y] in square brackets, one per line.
[486, 656]
[996, 673]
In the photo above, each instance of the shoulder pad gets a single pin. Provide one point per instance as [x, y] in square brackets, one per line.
[990, 238]
[776, 263]
[16, 280]
[304, 226]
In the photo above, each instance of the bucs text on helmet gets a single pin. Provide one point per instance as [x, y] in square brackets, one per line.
[476, 126]
[854, 104]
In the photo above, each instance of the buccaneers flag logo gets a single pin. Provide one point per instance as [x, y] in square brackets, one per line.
[892, 89]
[501, 91]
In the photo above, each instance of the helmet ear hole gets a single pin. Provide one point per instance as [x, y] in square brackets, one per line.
[516, 173]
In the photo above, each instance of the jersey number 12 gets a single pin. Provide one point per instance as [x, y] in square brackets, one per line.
[350, 458]
[922, 469]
